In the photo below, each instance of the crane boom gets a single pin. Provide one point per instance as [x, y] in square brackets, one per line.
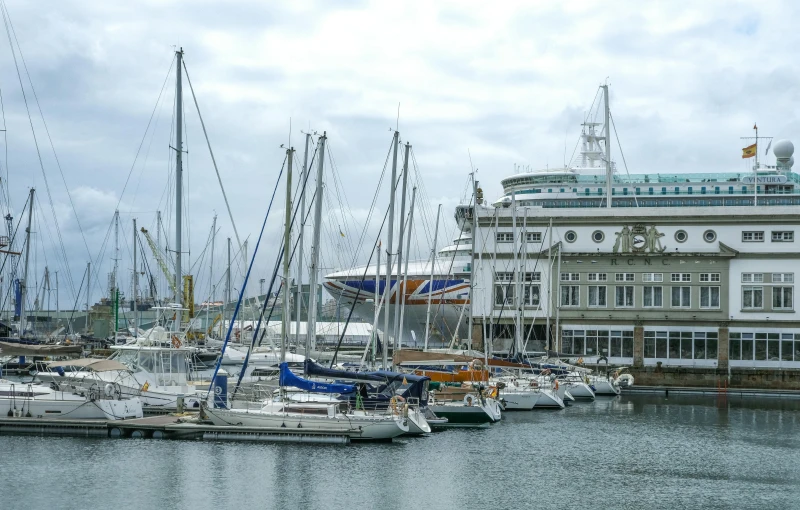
[161, 263]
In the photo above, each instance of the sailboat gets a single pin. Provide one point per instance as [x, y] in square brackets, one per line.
[335, 418]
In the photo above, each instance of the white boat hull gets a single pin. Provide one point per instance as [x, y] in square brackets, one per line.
[355, 426]
[519, 400]
[38, 401]
[550, 400]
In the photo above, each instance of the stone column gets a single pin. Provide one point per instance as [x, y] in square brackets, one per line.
[722, 346]
[638, 344]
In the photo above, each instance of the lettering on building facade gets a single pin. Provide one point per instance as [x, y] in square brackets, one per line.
[639, 239]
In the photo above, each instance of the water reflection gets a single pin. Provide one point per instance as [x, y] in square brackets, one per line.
[643, 451]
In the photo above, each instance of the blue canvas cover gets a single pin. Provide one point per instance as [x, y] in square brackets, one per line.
[287, 378]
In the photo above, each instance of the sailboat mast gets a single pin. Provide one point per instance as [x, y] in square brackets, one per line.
[88, 290]
[609, 177]
[298, 298]
[377, 304]
[178, 172]
[287, 251]
[517, 338]
[311, 330]
[115, 276]
[430, 283]
[24, 284]
[387, 291]
[135, 285]
[405, 271]
[472, 257]
[213, 289]
[401, 289]
[227, 283]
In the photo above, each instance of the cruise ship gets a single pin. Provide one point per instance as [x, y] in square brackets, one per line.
[440, 302]
[683, 269]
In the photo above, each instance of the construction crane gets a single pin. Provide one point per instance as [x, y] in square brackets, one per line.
[161, 263]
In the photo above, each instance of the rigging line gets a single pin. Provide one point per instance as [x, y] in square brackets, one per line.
[246, 278]
[619, 145]
[147, 128]
[6, 21]
[75, 306]
[213, 159]
[152, 138]
[7, 16]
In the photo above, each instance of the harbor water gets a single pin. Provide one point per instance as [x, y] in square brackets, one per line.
[638, 451]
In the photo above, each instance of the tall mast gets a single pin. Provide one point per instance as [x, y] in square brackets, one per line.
[401, 289]
[430, 283]
[115, 277]
[405, 271]
[387, 291]
[287, 251]
[311, 331]
[516, 283]
[88, 290]
[298, 298]
[227, 282]
[24, 284]
[377, 303]
[135, 285]
[472, 256]
[609, 179]
[158, 243]
[178, 172]
[213, 289]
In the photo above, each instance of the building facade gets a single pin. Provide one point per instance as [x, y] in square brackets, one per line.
[708, 287]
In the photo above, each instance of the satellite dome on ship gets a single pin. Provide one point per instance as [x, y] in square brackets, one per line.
[783, 149]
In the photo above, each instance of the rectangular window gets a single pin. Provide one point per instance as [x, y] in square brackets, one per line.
[681, 297]
[533, 237]
[533, 277]
[597, 277]
[597, 296]
[681, 277]
[504, 277]
[753, 237]
[709, 277]
[752, 277]
[752, 298]
[782, 298]
[531, 294]
[623, 296]
[782, 277]
[504, 294]
[624, 277]
[504, 237]
[709, 297]
[782, 236]
[570, 295]
[652, 277]
[570, 277]
[652, 297]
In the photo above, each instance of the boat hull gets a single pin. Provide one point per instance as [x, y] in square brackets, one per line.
[355, 427]
[519, 400]
[460, 415]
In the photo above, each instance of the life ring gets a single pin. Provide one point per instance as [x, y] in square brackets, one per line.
[477, 364]
[469, 399]
[176, 342]
[534, 384]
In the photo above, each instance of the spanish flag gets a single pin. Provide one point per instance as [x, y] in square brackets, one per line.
[749, 151]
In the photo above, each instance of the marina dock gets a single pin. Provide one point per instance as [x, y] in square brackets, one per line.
[163, 427]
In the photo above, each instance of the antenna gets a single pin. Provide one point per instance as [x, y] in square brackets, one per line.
[397, 124]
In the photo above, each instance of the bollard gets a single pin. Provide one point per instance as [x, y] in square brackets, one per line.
[179, 403]
[221, 390]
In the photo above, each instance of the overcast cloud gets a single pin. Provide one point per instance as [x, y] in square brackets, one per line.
[507, 83]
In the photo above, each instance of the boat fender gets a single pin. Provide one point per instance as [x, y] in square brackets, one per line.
[176, 342]
[556, 385]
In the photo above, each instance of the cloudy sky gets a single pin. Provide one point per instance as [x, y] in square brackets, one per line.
[478, 84]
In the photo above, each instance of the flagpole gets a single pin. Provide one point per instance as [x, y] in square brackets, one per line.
[755, 170]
